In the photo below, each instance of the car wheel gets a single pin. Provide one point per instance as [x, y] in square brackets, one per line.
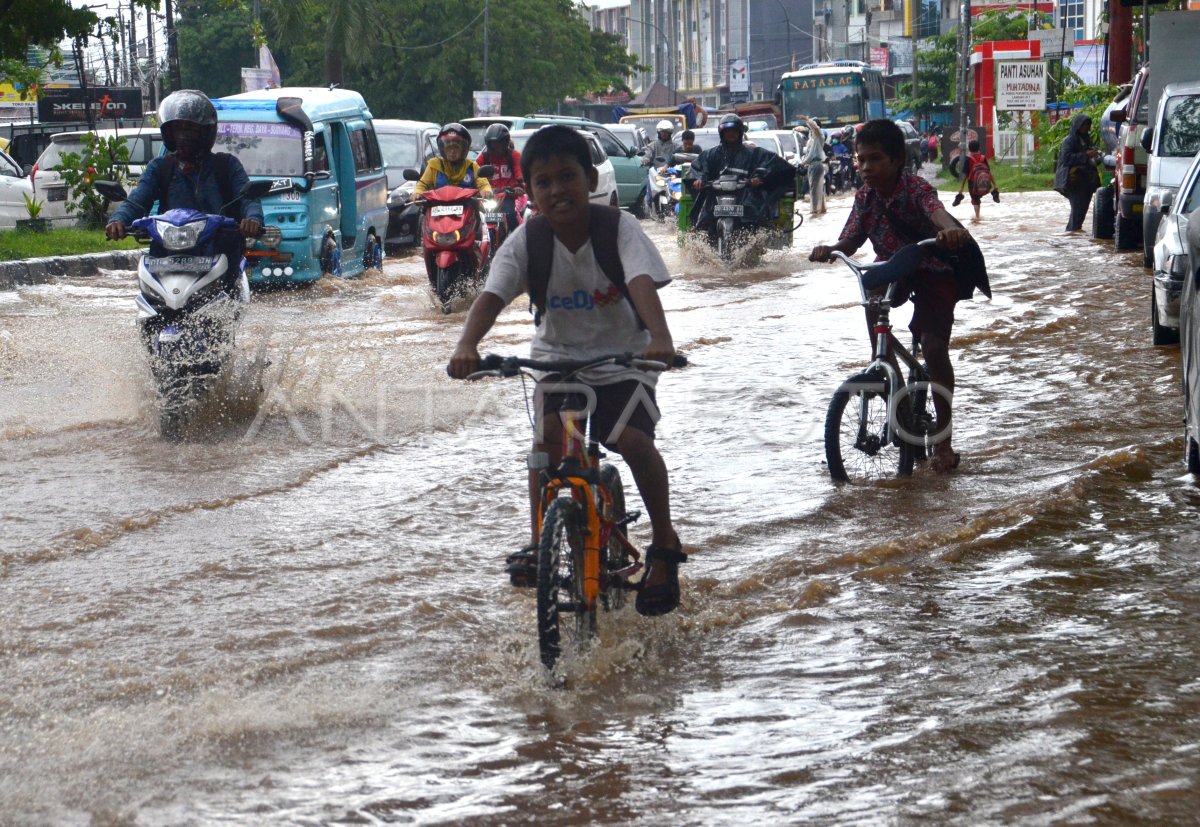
[1126, 233]
[1160, 334]
[1103, 214]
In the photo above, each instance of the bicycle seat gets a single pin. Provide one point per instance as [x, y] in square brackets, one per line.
[903, 263]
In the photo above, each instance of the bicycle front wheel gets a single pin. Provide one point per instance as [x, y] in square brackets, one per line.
[560, 571]
[859, 444]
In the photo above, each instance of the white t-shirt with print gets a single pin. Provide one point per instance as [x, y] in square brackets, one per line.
[586, 315]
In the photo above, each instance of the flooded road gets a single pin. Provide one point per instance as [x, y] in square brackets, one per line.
[299, 616]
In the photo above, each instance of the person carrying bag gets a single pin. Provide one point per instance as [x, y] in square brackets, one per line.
[1076, 176]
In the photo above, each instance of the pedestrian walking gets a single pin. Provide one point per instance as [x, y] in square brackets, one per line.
[814, 159]
[1076, 177]
[978, 179]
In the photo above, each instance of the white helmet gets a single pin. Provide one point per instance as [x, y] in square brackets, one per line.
[665, 126]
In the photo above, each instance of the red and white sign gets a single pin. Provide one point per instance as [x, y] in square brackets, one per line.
[879, 58]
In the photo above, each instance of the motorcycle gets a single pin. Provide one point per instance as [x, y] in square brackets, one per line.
[729, 212]
[190, 299]
[495, 219]
[658, 194]
[456, 250]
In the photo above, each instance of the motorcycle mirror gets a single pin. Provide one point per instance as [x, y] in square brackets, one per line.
[411, 175]
[111, 190]
[257, 189]
[487, 171]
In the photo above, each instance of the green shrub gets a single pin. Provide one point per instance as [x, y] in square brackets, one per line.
[103, 159]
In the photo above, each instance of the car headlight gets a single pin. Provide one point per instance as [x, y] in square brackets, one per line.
[1177, 265]
[180, 238]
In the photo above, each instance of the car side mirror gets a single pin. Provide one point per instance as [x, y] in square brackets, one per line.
[1117, 116]
[111, 190]
[1168, 201]
[411, 175]
[1148, 139]
[487, 171]
[631, 153]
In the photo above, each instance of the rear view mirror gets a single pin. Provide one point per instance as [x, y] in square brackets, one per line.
[1117, 116]
[111, 190]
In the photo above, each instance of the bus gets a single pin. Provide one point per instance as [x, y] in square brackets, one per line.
[838, 92]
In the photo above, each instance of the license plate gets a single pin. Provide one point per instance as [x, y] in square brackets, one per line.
[56, 194]
[493, 217]
[187, 264]
[728, 210]
[446, 209]
[289, 196]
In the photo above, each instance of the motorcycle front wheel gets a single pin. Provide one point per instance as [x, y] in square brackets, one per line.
[447, 284]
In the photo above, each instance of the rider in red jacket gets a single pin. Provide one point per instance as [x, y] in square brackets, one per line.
[506, 161]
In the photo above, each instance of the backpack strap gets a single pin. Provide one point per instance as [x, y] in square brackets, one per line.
[603, 225]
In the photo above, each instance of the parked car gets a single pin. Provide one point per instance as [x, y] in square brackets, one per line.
[606, 188]
[1172, 141]
[477, 126]
[144, 144]
[405, 144]
[15, 187]
[1171, 256]
[912, 144]
[1189, 335]
[1129, 175]
[632, 135]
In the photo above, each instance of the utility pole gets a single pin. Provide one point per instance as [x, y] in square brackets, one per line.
[1120, 42]
[964, 75]
[133, 64]
[486, 82]
[153, 60]
[83, 84]
[172, 48]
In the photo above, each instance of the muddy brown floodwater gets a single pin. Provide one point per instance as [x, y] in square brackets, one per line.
[298, 616]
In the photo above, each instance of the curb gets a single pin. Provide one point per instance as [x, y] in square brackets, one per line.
[42, 270]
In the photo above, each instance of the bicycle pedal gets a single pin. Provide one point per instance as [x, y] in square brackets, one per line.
[630, 517]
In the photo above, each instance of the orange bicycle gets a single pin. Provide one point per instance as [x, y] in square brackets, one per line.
[584, 558]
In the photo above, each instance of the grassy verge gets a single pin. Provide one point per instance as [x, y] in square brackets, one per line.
[1008, 179]
[68, 241]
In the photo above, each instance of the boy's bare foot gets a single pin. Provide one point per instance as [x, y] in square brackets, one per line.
[944, 459]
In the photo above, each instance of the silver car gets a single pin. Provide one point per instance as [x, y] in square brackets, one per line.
[1171, 255]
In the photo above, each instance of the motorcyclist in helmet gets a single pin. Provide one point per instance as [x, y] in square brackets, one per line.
[191, 175]
[506, 162]
[659, 153]
[452, 167]
[732, 152]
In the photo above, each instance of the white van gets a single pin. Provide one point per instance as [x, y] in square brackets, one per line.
[144, 144]
[1172, 141]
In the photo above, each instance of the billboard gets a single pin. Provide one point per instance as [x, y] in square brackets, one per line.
[1020, 86]
[70, 105]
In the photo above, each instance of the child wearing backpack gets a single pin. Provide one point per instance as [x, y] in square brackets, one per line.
[977, 178]
[593, 277]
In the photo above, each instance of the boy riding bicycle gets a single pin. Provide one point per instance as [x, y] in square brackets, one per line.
[895, 208]
[585, 312]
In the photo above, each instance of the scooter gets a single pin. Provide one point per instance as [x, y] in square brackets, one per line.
[673, 175]
[496, 221]
[658, 196]
[455, 248]
[190, 299]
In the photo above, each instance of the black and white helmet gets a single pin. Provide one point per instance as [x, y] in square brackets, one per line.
[187, 106]
[497, 137]
[452, 131]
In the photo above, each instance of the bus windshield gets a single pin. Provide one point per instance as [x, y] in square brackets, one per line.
[263, 148]
[830, 98]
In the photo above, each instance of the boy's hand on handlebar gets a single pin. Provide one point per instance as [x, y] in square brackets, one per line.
[463, 363]
[821, 252]
[952, 239]
[250, 227]
[114, 230]
[660, 349]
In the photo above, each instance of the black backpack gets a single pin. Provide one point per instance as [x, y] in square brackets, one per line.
[221, 167]
[602, 232]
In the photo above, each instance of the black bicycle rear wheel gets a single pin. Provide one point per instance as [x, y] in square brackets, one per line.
[560, 557]
[859, 444]
[616, 556]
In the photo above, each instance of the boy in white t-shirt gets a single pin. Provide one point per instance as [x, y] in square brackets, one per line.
[585, 314]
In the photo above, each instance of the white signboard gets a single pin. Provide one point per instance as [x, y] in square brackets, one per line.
[487, 103]
[739, 76]
[1021, 86]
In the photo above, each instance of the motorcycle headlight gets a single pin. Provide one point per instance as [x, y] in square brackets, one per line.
[489, 205]
[659, 181]
[180, 238]
[675, 194]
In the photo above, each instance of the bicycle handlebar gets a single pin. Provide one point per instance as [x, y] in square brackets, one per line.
[496, 365]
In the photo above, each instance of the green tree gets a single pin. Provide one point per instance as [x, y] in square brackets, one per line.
[25, 23]
[215, 42]
[103, 159]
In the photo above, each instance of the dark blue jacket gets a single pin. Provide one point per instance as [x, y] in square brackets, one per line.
[198, 191]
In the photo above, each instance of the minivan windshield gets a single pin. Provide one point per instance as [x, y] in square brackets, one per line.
[263, 148]
[400, 149]
[1181, 127]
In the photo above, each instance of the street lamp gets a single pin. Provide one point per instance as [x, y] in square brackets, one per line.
[670, 55]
